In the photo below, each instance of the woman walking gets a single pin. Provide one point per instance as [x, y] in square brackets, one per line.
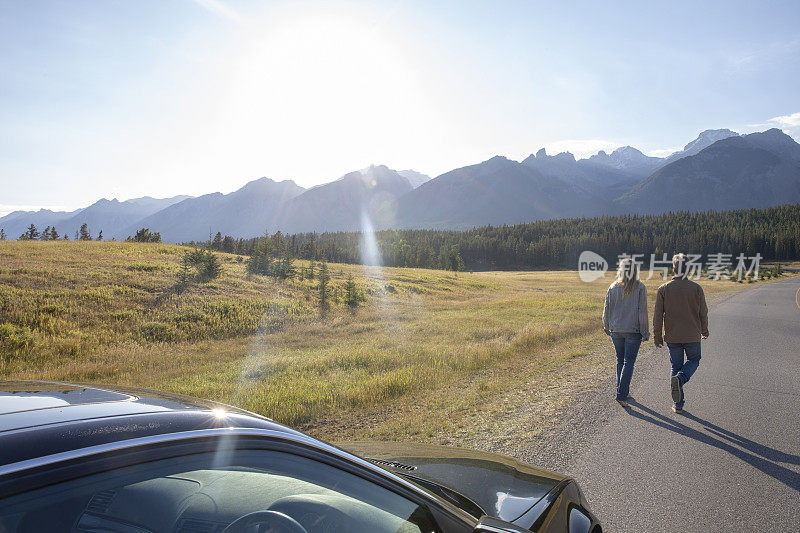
[625, 320]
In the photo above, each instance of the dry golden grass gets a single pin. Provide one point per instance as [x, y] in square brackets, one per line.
[426, 351]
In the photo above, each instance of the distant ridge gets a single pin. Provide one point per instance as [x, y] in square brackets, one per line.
[110, 216]
[719, 170]
[246, 212]
[736, 172]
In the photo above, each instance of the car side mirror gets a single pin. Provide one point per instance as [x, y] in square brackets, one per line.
[489, 524]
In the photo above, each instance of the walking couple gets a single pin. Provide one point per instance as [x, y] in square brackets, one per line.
[680, 308]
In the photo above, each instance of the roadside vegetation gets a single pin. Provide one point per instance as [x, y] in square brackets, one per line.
[343, 350]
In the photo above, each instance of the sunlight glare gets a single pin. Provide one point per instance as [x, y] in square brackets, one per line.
[322, 82]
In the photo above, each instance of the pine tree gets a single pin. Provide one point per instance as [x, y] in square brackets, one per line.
[286, 266]
[216, 244]
[46, 234]
[66, 237]
[260, 261]
[210, 268]
[185, 273]
[54, 234]
[324, 291]
[228, 244]
[311, 267]
[32, 233]
[145, 235]
[84, 232]
[196, 256]
[100, 236]
[352, 296]
[2, 234]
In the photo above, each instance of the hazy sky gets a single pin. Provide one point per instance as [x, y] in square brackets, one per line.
[164, 97]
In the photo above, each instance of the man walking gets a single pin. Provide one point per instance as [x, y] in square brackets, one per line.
[682, 312]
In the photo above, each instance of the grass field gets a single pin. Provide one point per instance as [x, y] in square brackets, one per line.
[427, 353]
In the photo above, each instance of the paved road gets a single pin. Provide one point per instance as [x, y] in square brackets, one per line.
[731, 461]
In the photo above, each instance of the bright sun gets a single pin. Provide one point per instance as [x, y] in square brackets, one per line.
[331, 83]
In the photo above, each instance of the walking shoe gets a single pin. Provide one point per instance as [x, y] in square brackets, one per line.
[623, 403]
[676, 409]
[676, 387]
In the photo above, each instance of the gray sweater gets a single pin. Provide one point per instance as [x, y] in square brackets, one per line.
[626, 315]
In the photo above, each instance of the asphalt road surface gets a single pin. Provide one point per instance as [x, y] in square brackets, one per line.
[731, 461]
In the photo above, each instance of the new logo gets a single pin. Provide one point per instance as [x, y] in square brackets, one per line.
[591, 266]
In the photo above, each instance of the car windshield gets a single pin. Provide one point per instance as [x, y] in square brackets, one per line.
[196, 493]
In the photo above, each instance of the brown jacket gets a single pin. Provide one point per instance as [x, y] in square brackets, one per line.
[681, 309]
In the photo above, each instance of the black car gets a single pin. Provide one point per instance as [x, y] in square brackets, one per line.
[77, 458]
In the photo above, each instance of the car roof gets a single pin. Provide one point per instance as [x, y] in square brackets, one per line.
[20, 396]
[73, 401]
[45, 417]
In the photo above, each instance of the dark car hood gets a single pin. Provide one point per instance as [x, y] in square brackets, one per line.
[502, 486]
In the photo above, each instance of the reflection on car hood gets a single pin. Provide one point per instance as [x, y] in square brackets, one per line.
[502, 486]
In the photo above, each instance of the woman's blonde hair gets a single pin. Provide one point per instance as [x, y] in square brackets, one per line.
[627, 276]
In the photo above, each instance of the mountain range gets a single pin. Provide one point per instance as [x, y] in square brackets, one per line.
[719, 170]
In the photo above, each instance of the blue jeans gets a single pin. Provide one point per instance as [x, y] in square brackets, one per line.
[683, 367]
[627, 348]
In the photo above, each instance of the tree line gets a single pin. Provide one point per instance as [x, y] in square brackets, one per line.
[773, 232]
[50, 233]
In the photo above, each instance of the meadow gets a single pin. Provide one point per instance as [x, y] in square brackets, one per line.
[430, 355]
